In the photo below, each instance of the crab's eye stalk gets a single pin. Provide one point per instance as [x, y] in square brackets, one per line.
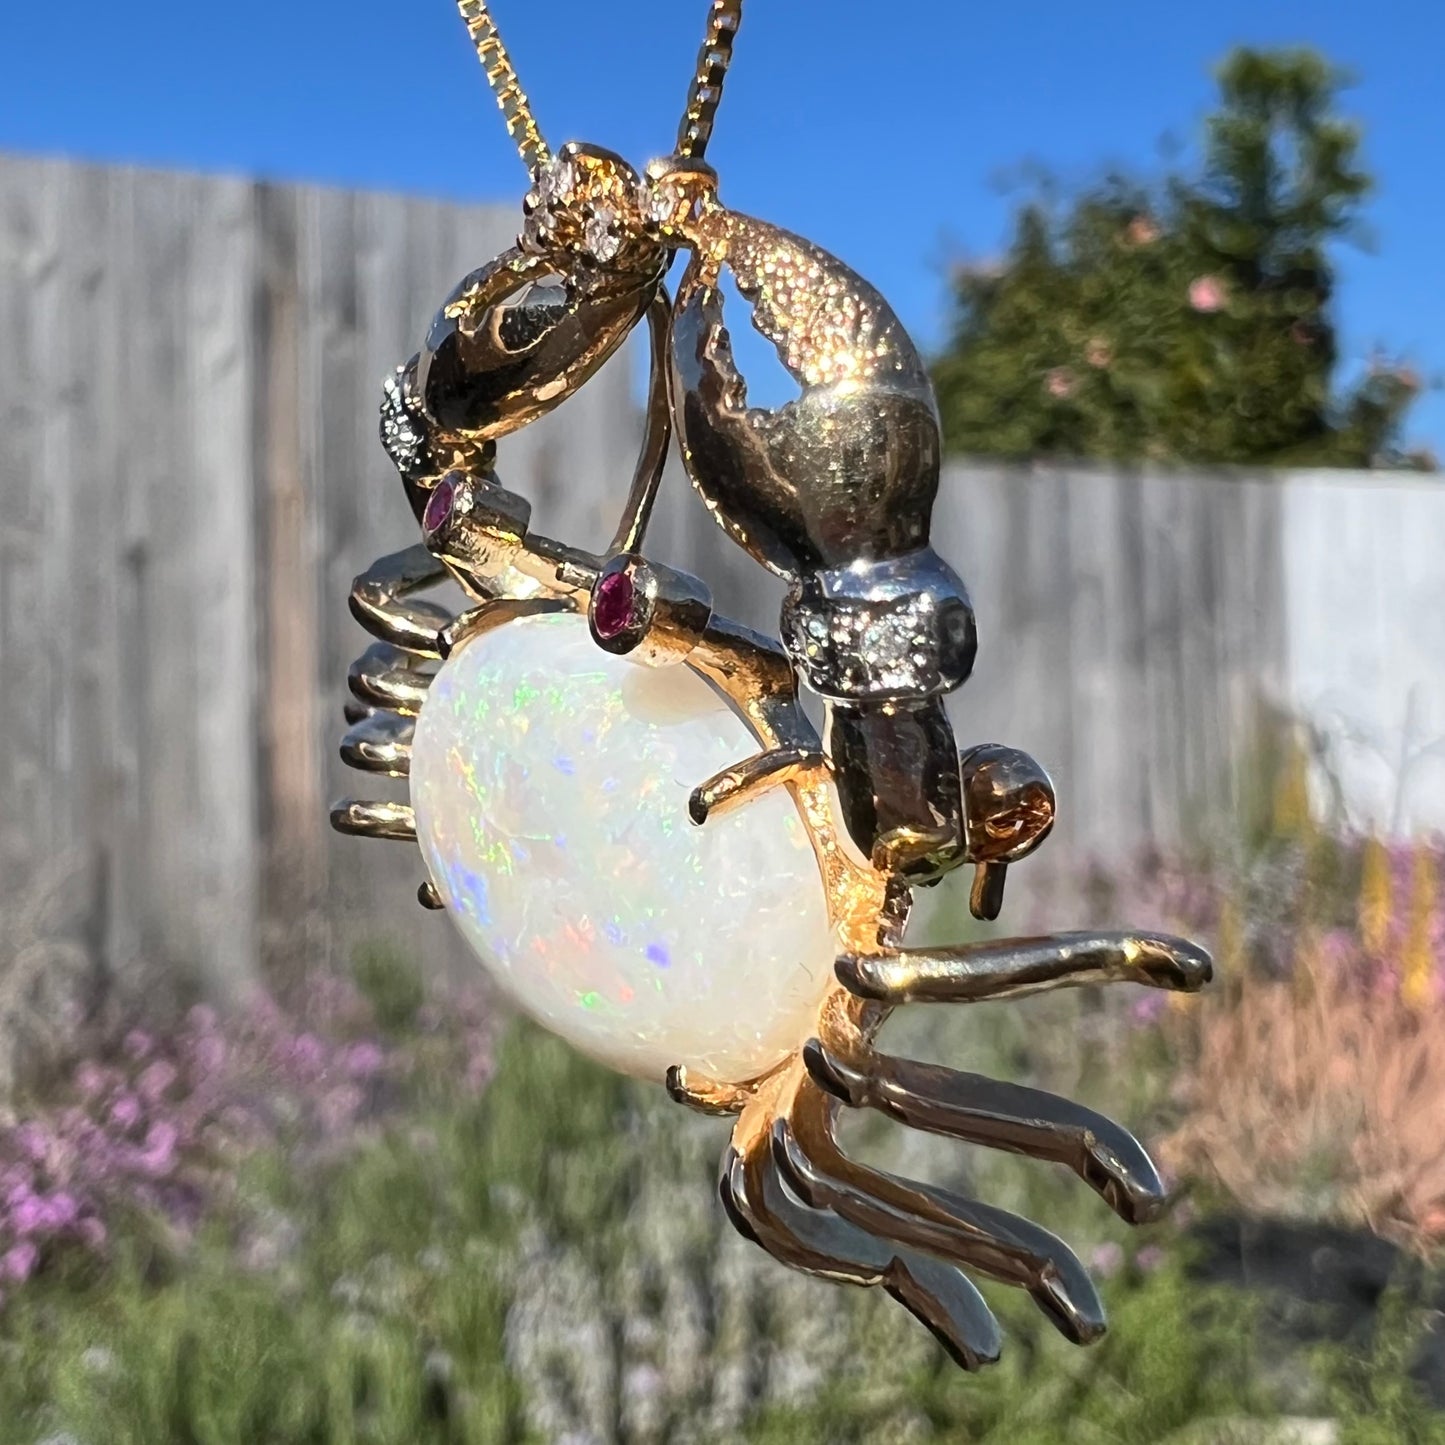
[1008, 802]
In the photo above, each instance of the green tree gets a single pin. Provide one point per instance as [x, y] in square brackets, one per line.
[1187, 321]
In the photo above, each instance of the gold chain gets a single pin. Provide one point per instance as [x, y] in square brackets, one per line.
[713, 60]
[695, 129]
[516, 109]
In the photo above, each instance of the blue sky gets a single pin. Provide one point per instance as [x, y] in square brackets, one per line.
[886, 143]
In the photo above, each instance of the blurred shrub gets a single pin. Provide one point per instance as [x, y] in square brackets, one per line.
[1191, 320]
[1312, 1081]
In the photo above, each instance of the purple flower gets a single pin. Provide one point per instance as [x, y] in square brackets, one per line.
[155, 1080]
[28, 1215]
[126, 1111]
[202, 1019]
[92, 1232]
[1149, 1009]
[364, 1059]
[339, 1107]
[61, 1210]
[19, 1261]
[34, 1141]
[91, 1080]
[308, 1055]
[138, 1044]
[1106, 1260]
[210, 1054]
[159, 1155]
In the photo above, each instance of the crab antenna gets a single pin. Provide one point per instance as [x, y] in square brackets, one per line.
[705, 93]
[516, 109]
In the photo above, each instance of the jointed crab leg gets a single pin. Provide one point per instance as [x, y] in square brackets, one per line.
[820, 1242]
[977, 1236]
[495, 612]
[386, 677]
[998, 1115]
[375, 820]
[1019, 966]
[750, 777]
[376, 600]
[380, 742]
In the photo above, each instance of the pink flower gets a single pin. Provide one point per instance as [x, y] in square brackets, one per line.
[1141, 231]
[1061, 382]
[1098, 353]
[126, 1111]
[159, 1154]
[34, 1141]
[308, 1054]
[27, 1215]
[138, 1044]
[1149, 1009]
[91, 1080]
[1149, 1258]
[92, 1232]
[202, 1018]
[19, 1261]
[338, 1108]
[210, 1054]
[364, 1059]
[1207, 294]
[1106, 1260]
[155, 1080]
[61, 1210]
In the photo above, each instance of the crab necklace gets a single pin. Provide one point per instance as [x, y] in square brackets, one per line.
[618, 798]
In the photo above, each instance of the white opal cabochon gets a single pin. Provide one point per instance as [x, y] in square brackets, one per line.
[550, 781]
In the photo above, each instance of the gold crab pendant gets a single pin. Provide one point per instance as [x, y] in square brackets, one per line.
[598, 831]
[618, 796]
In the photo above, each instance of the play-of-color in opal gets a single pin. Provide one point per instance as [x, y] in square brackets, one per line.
[550, 781]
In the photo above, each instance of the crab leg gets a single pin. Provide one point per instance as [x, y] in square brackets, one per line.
[380, 742]
[1019, 966]
[494, 612]
[376, 600]
[374, 820]
[1004, 1116]
[820, 1242]
[386, 677]
[976, 1236]
[750, 777]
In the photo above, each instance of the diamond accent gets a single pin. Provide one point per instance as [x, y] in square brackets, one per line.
[600, 235]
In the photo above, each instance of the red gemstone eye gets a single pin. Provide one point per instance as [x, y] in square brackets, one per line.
[612, 605]
[439, 505]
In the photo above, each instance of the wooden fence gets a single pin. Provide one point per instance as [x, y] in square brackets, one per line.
[189, 479]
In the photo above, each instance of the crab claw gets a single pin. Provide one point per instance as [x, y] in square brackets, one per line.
[515, 339]
[849, 469]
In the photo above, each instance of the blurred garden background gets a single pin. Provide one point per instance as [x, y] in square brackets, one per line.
[274, 1165]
